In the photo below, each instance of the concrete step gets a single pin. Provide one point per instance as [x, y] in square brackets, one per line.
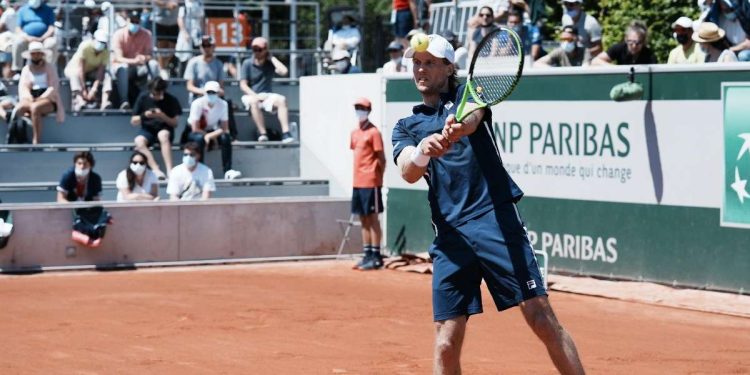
[26, 163]
[239, 188]
[114, 126]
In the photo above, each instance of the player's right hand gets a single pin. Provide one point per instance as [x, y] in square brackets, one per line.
[435, 145]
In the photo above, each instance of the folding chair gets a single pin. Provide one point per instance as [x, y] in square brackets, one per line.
[346, 227]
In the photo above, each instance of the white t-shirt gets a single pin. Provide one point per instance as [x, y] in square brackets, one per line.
[589, 30]
[9, 18]
[348, 38]
[149, 180]
[735, 33]
[214, 114]
[190, 185]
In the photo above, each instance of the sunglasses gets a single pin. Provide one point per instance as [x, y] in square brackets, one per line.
[570, 5]
[138, 162]
[634, 42]
[485, 15]
[361, 108]
[258, 49]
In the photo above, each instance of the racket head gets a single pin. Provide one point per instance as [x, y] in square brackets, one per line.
[496, 67]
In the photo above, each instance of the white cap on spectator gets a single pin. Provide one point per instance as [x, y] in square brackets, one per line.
[101, 36]
[106, 5]
[684, 22]
[89, 3]
[339, 54]
[36, 47]
[438, 47]
[212, 86]
[573, 1]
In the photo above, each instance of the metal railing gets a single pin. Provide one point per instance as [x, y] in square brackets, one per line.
[453, 16]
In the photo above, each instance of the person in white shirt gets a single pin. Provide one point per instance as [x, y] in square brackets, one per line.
[137, 182]
[209, 121]
[396, 64]
[347, 36]
[192, 179]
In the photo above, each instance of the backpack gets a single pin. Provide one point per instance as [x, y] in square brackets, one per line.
[18, 132]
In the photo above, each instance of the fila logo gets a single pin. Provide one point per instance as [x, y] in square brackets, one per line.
[531, 284]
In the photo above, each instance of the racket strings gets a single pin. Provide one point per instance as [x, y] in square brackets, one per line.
[496, 69]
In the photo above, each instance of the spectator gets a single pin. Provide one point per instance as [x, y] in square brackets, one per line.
[203, 68]
[209, 121]
[724, 15]
[501, 9]
[165, 14]
[7, 102]
[90, 63]
[530, 36]
[403, 19]
[589, 30]
[632, 51]
[38, 89]
[35, 23]
[157, 113]
[346, 36]
[341, 63]
[190, 20]
[7, 36]
[120, 19]
[132, 63]
[192, 179]
[568, 54]
[396, 64]
[256, 81]
[486, 26]
[137, 182]
[369, 165]
[461, 53]
[714, 43]
[80, 183]
[687, 52]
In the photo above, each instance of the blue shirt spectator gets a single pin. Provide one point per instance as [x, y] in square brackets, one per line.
[35, 21]
[530, 35]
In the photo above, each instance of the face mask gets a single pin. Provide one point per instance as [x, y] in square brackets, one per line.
[82, 172]
[396, 61]
[568, 47]
[703, 49]
[188, 160]
[573, 13]
[138, 169]
[36, 62]
[35, 3]
[346, 27]
[361, 114]
[731, 16]
[134, 27]
[517, 29]
[681, 38]
[99, 46]
[212, 98]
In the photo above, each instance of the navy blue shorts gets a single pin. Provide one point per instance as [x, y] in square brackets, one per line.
[404, 23]
[493, 247]
[152, 135]
[366, 201]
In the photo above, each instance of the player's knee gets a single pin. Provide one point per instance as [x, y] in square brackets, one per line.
[447, 346]
[545, 326]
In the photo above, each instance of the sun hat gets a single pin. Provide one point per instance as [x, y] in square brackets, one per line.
[708, 32]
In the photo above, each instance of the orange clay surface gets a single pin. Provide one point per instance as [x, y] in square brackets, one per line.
[324, 318]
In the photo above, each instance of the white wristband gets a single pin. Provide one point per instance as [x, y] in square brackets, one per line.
[418, 158]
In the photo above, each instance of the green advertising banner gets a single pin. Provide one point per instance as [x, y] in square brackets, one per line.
[735, 210]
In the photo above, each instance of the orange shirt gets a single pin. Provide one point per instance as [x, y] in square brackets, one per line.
[400, 4]
[131, 45]
[367, 143]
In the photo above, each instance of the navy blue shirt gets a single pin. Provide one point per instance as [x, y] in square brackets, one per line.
[470, 178]
[68, 185]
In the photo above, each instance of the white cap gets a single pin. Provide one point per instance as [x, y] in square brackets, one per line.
[36, 47]
[212, 86]
[572, 1]
[684, 22]
[89, 3]
[339, 54]
[101, 36]
[106, 5]
[438, 47]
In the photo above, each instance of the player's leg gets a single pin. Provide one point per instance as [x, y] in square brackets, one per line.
[357, 208]
[560, 346]
[449, 338]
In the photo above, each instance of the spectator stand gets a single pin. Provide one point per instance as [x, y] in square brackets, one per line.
[453, 16]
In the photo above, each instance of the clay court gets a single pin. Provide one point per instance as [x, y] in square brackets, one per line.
[324, 318]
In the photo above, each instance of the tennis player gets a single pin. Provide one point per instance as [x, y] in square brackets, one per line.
[479, 232]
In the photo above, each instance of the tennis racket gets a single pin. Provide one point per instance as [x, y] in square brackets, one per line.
[495, 70]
